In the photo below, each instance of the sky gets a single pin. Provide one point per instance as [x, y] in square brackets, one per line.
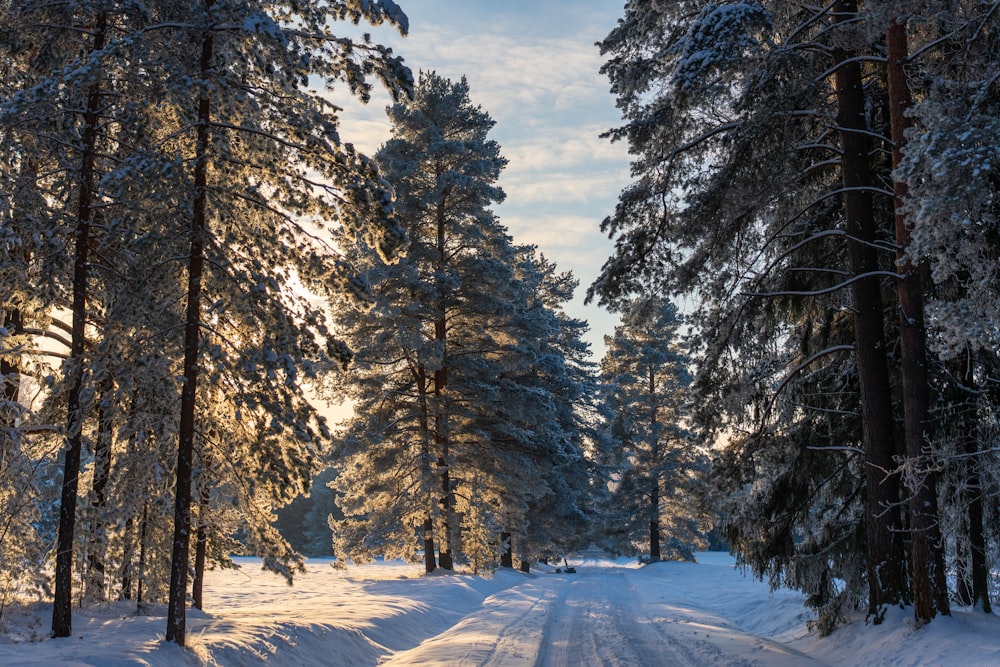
[534, 67]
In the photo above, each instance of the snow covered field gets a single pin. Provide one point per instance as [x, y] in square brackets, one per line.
[607, 613]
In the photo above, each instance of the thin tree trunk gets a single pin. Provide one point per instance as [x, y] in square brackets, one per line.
[430, 563]
[200, 551]
[430, 560]
[886, 565]
[129, 541]
[141, 566]
[97, 550]
[654, 520]
[973, 578]
[176, 604]
[654, 481]
[441, 435]
[930, 591]
[506, 553]
[447, 503]
[62, 612]
[127, 555]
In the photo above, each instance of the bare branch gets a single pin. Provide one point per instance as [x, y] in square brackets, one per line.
[828, 290]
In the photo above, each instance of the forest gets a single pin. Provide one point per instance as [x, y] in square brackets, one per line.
[195, 262]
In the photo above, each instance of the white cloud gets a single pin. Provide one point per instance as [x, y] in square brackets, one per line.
[534, 68]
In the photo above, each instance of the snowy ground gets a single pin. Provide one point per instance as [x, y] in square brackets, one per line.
[607, 613]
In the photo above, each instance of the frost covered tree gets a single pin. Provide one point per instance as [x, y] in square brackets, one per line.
[408, 360]
[708, 96]
[55, 116]
[266, 158]
[791, 266]
[457, 427]
[797, 271]
[236, 172]
[948, 166]
[551, 369]
[655, 497]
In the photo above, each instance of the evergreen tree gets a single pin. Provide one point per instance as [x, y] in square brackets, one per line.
[467, 376]
[236, 173]
[949, 168]
[252, 116]
[790, 265]
[655, 498]
[426, 329]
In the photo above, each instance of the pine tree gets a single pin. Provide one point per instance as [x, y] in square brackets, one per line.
[253, 115]
[427, 328]
[258, 168]
[659, 462]
[710, 92]
[948, 169]
[467, 375]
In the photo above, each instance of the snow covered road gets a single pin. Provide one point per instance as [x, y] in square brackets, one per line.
[603, 615]
[608, 613]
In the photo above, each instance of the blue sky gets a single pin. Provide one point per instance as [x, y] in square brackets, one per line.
[534, 67]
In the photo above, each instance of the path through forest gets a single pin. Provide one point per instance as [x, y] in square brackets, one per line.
[603, 615]
[607, 613]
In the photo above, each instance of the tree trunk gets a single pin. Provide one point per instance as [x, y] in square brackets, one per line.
[654, 520]
[141, 566]
[447, 511]
[930, 591]
[176, 604]
[973, 575]
[62, 613]
[200, 551]
[886, 565]
[97, 549]
[127, 555]
[654, 481]
[506, 553]
[441, 436]
[429, 560]
[129, 540]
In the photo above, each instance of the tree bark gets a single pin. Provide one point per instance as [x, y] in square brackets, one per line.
[978, 594]
[441, 436]
[97, 549]
[127, 554]
[654, 519]
[430, 560]
[141, 566]
[62, 612]
[200, 551]
[430, 563]
[506, 553]
[930, 592]
[654, 481]
[886, 565]
[176, 604]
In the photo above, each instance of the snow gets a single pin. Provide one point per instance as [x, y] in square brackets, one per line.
[610, 612]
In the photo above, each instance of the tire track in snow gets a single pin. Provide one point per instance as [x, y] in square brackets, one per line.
[596, 624]
[606, 617]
